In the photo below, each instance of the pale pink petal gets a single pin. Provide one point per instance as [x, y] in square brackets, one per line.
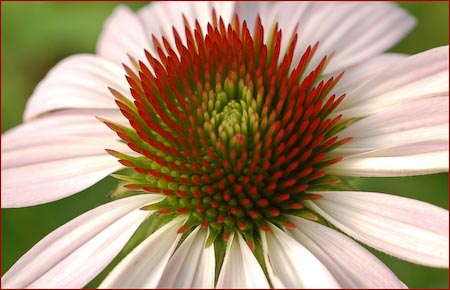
[368, 29]
[351, 264]
[75, 253]
[423, 75]
[159, 18]
[418, 164]
[79, 81]
[406, 228]
[240, 269]
[55, 156]
[395, 126]
[271, 13]
[392, 134]
[353, 31]
[359, 74]
[293, 264]
[63, 124]
[123, 35]
[52, 180]
[192, 265]
[144, 266]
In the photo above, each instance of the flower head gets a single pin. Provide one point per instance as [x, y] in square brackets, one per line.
[237, 130]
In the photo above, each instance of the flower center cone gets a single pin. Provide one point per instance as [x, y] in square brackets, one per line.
[230, 130]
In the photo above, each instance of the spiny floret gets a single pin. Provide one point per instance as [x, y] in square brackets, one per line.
[229, 132]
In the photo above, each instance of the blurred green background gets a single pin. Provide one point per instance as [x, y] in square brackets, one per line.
[36, 35]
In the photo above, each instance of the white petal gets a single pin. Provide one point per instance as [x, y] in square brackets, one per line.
[366, 30]
[394, 127]
[408, 229]
[159, 18]
[354, 31]
[240, 269]
[392, 143]
[192, 265]
[123, 35]
[272, 12]
[144, 266]
[418, 164]
[52, 180]
[359, 74]
[419, 76]
[75, 253]
[293, 264]
[76, 123]
[79, 81]
[351, 264]
[55, 156]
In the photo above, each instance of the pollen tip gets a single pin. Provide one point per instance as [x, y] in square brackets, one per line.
[289, 225]
[263, 202]
[183, 229]
[242, 226]
[148, 207]
[200, 208]
[296, 205]
[251, 244]
[112, 152]
[254, 214]
[112, 90]
[183, 210]
[101, 119]
[310, 216]
[265, 228]
[133, 186]
[274, 212]
[165, 211]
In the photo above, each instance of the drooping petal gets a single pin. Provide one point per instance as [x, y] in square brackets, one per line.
[423, 75]
[409, 229]
[144, 266]
[123, 35]
[351, 264]
[75, 253]
[240, 269]
[391, 142]
[293, 264]
[79, 81]
[192, 265]
[57, 155]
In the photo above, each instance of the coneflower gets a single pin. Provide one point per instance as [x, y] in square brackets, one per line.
[237, 129]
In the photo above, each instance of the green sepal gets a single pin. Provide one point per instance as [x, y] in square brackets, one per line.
[163, 204]
[220, 248]
[120, 191]
[213, 234]
[323, 184]
[127, 176]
